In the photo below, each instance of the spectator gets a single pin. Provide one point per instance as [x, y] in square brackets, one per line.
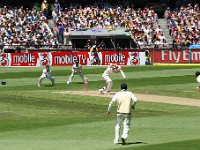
[55, 42]
[67, 40]
[23, 23]
[57, 7]
[21, 26]
[44, 8]
[184, 25]
[60, 33]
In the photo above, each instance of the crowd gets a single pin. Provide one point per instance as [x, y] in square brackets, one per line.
[20, 26]
[30, 27]
[184, 25]
[141, 23]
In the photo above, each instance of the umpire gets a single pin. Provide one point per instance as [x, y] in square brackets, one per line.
[125, 100]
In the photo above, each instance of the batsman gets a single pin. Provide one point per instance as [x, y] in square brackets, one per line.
[112, 68]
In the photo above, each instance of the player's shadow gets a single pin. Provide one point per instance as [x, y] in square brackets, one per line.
[133, 143]
[130, 143]
[48, 85]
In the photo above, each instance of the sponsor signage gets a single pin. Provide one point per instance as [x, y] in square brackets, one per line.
[23, 59]
[175, 56]
[68, 58]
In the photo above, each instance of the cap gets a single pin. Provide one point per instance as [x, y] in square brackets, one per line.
[123, 86]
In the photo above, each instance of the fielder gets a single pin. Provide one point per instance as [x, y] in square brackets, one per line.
[46, 73]
[197, 74]
[112, 68]
[76, 70]
[125, 100]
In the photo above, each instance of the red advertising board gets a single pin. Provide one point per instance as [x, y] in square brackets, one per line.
[175, 56]
[4, 59]
[120, 58]
[24, 59]
[68, 58]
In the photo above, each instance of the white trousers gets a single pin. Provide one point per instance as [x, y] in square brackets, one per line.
[108, 83]
[72, 76]
[42, 78]
[126, 120]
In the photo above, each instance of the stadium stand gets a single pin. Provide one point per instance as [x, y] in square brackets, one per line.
[107, 24]
[184, 25]
[22, 26]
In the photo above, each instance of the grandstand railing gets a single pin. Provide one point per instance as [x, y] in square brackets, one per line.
[24, 48]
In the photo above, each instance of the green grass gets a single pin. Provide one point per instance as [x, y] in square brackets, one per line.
[33, 118]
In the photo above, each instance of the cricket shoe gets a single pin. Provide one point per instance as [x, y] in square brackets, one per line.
[123, 141]
[101, 91]
[68, 82]
[116, 142]
[38, 85]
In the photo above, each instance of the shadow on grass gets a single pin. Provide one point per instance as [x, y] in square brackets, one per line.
[133, 143]
[48, 85]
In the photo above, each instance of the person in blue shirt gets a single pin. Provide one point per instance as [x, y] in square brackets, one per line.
[60, 33]
[57, 7]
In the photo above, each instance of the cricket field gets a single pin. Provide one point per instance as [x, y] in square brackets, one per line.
[47, 118]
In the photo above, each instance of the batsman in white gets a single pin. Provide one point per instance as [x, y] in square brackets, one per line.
[112, 68]
[197, 74]
[76, 70]
[46, 73]
[126, 101]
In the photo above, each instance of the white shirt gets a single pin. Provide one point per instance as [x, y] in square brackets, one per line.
[76, 68]
[158, 29]
[162, 37]
[46, 73]
[125, 100]
[109, 71]
[198, 79]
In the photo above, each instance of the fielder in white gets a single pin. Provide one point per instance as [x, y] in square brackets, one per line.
[197, 74]
[76, 70]
[112, 68]
[126, 101]
[46, 73]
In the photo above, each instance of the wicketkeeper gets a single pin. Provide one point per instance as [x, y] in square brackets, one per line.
[126, 101]
[112, 68]
[76, 70]
[46, 73]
